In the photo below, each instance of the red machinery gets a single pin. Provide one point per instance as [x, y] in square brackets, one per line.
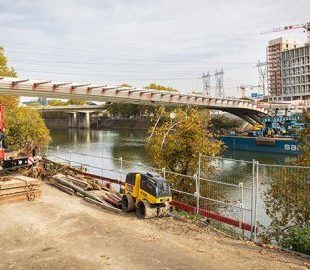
[8, 163]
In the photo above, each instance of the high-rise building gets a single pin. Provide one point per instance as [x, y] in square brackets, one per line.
[274, 76]
[295, 65]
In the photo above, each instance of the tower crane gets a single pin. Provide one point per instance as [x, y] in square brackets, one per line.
[306, 26]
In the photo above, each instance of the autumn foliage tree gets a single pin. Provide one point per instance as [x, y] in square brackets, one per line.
[25, 127]
[159, 87]
[5, 70]
[175, 144]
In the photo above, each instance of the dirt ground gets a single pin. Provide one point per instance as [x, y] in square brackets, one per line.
[59, 231]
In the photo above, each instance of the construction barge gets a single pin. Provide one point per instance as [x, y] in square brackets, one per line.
[277, 135]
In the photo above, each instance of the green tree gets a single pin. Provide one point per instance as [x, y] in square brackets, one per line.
[304, 142]
[176, 142]
[26, 130]
[287, 199]
[76, 101]
[33, 104]
[57, 102]
[222, 122]
[124, 110]
[135, 110]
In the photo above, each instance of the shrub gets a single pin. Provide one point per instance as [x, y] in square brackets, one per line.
[297, 239]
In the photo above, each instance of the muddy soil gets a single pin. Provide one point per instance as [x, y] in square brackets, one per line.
[59, 231]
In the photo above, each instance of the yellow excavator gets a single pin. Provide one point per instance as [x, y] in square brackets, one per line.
[148, 194]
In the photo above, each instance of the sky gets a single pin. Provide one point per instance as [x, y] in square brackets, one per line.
[169, 42]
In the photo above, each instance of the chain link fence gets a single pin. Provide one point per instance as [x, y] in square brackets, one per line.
[255, 199]
[283, 200]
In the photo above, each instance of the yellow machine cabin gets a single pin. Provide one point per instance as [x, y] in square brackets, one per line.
[148, 194]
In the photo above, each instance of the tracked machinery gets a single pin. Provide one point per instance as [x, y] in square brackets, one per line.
[148, 194]
[7, 162]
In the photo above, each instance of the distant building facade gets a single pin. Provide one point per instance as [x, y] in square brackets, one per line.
[274, 72]
[295, 64]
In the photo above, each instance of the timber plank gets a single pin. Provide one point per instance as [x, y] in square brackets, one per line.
[17, 190]
[18, 197]
[18, 181]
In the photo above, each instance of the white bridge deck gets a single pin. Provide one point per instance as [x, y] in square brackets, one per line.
[52, 89]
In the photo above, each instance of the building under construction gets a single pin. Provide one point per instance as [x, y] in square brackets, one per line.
[274, 73]
[295, 68]
[288, 70]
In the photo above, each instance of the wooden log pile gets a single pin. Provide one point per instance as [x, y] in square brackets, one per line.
[93, 190]
[17, 188]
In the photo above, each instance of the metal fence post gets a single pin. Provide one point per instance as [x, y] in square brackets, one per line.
[46, 151]
[198, 183]
[197, 195]
[252, 198]
[163, 172]
[120, 172]
[255, 200]
[241, 207]
[70, 157]
[102, 167]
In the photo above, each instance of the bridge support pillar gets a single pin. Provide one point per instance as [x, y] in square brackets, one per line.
[72, 120]
[84, 120]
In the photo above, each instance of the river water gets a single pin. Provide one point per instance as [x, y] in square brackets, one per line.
[130, 145]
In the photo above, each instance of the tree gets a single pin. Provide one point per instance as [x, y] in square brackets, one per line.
[57, 102]
[222, 122]
[9, 102]
[287, 199]
[26, 130]
[125, 110]
[4, 69]
[155, 86]
[76, 101]
[175, 144]
[304, 142]
[25, 127]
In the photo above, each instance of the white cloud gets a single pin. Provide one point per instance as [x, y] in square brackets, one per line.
[143, 41]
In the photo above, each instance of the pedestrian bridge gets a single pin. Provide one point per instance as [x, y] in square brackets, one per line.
[247, 110]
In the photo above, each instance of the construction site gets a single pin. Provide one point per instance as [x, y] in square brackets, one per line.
[192, 188]
[287, 62]
[59, 231]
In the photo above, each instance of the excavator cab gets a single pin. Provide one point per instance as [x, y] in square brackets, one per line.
[147, 193]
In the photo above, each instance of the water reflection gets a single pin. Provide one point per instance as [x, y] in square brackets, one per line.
[130, 146]
[126, 144]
